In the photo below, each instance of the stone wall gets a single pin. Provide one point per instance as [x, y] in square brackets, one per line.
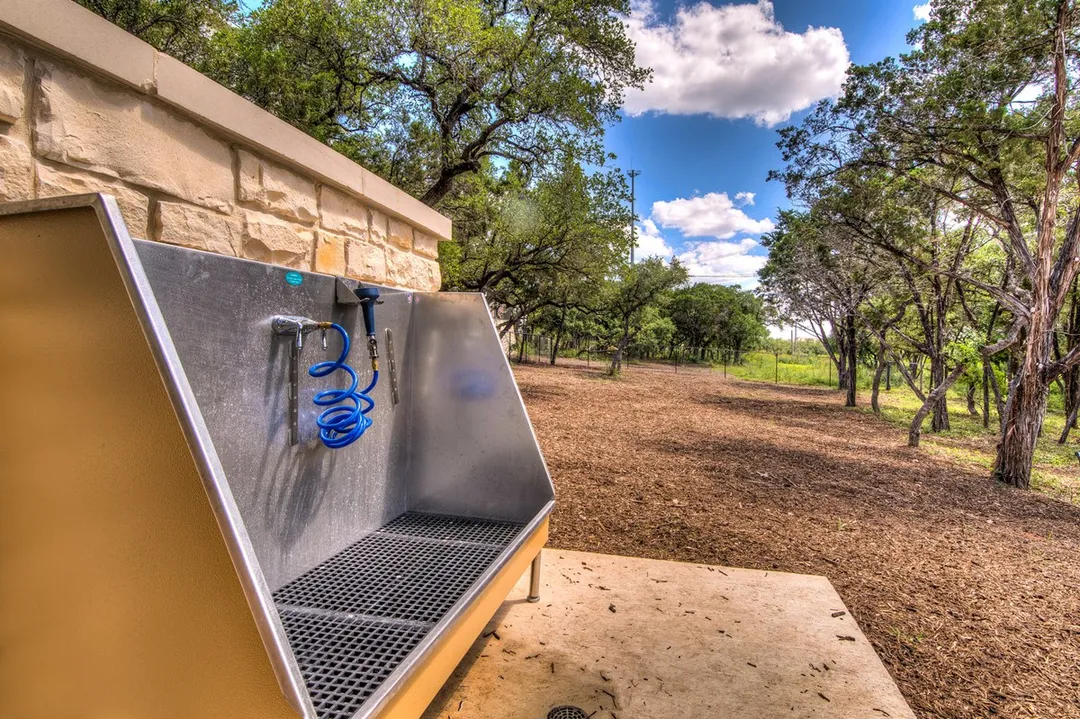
[183, 174]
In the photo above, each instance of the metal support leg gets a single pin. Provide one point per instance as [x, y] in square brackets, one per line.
[534, 581]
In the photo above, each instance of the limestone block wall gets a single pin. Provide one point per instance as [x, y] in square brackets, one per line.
[189, 162]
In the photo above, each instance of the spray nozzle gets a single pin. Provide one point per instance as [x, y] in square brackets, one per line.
[369, 297]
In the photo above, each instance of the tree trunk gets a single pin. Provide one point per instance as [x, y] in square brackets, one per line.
[852, 361]
[617, 359]
[842, 356]
[999, 403]
[972, 408]
[521, 348]
[1071, 377]
[1025, 408]
[915, 431]
[882, 364]
[1070, 422]
[940, 419]
[986, 391]
[558, 335]
[1072, 396]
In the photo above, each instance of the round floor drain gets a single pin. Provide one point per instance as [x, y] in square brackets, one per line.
[567, 712]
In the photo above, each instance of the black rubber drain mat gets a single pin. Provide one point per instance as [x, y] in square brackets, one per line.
[354, 618]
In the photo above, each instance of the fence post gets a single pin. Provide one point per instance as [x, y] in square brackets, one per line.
[678, 356]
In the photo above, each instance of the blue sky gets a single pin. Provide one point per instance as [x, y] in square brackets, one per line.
[726, 77]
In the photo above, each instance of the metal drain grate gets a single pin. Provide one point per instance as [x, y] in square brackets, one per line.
[393, 577]
[343, 660]
[458, 529]
[567, 712]
[354, 618]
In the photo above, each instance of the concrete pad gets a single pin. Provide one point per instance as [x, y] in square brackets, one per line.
[631, 638]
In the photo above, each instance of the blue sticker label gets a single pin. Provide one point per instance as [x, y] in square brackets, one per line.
[294, 278]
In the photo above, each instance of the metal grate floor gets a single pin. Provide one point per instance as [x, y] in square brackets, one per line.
[354, 618]
[393, 577]
[437, 526]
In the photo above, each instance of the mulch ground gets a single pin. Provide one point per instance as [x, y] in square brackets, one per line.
[969, 591]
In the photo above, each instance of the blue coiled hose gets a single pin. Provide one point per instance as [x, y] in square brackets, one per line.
[345, 420]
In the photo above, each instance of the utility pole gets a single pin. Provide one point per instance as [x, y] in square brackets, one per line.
[633, 215]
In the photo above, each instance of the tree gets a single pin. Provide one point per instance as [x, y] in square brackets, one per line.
[951, 106]
[656, 331]
[696, 312]
[425, 92]
[817, 273]
[926, 239]
[545, 243]
[742, 325]
[707, 315]
[639, 287]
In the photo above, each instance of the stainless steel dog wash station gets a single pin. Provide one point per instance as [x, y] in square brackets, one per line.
[211, 507]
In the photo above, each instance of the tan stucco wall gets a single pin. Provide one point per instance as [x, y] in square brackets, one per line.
[189, 162]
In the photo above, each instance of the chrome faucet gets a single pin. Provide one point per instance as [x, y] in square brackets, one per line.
[299, 326]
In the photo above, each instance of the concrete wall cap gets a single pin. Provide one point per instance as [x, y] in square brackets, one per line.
[75, 33]
[79, 35]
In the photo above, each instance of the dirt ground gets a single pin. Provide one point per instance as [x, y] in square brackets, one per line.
[969, 591]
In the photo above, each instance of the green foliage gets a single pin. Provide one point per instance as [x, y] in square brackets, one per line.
[426, 92]
[708, 315]
[970, 195]
[549, 243]
[655, 334]
[631, 297]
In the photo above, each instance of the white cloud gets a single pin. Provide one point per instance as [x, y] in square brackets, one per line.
[732, 61]
[650, 243]
[922, 12]
[709, 215]
[744, 198]
[723, 262]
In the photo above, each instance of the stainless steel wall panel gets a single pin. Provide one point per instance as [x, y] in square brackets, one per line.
[303, 503]
[471, 449]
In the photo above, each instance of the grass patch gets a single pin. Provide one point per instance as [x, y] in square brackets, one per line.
[813, 370]
[1055, 470]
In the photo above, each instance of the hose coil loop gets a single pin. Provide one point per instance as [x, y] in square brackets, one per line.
[345, 418]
